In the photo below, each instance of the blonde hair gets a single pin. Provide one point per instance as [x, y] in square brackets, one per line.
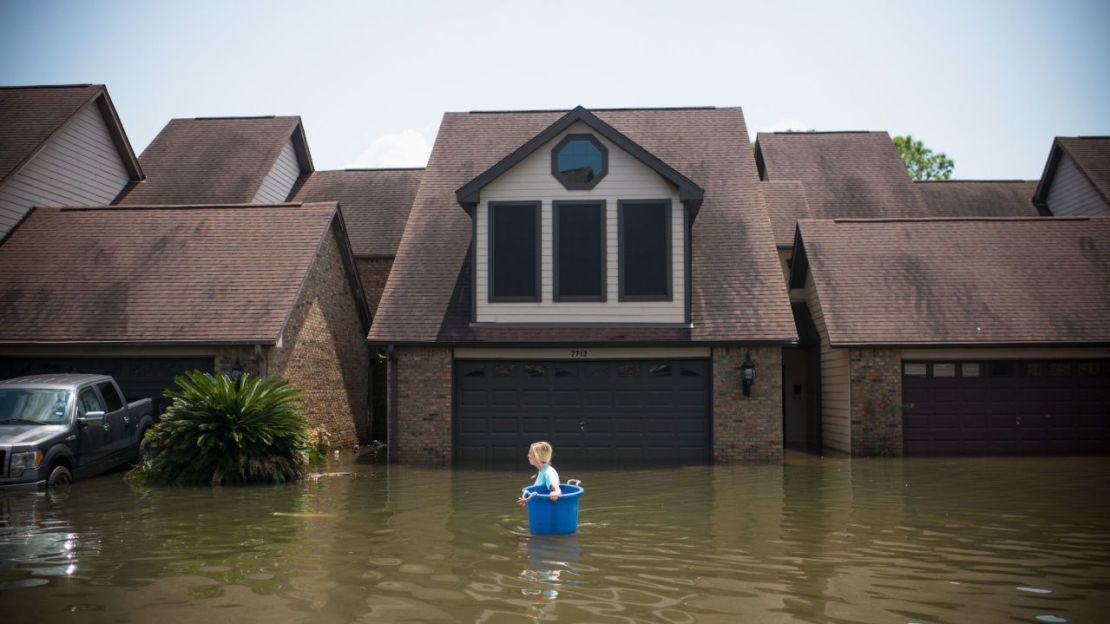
[543, 451]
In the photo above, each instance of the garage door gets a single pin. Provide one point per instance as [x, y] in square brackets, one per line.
[625, 410]
[137, 377]
[1000, 407]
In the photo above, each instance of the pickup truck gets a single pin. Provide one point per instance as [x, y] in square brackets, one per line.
[55, 428]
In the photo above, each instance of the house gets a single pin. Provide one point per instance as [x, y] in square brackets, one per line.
[60, 145]
[223, 160]
[1076, 178]
[600, 279]
[853, 175]
[959, 335]
[145, 293]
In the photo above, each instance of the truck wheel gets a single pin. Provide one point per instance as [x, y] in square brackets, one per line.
[60, 477]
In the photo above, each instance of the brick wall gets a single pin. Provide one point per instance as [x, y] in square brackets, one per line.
[251, 363]
[876, 382]
[423, 405]
[747, 429]
[324, 352]
[373, 274]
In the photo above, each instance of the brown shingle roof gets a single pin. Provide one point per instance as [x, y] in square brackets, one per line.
[375, 204]
[737, 292]
[179, 274]
[845, 174]
[211, 160]
[29, 116]
[979, 198]
[786, 204]
[976, 281]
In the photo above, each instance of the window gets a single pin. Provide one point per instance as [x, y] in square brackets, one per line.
[644, 233]
[514, 252]
[579, 249]
[579, 162]
[111, 397]
[87, 401]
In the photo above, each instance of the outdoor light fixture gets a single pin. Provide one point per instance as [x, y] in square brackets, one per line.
[747, 374]
[236, 370]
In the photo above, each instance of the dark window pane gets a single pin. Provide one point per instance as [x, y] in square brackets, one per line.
[644, 250]
[534, 370]
[579, 162]
[111, 397]
[87, 401]
[660, 369]
[514, 247]
[580, 249]
[690, 372]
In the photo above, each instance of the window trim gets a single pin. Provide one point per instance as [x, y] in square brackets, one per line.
[603, 205]
[537, 207]
[575, 186]
[667, 203]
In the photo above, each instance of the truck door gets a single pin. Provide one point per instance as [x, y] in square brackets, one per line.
[92, 437]
[118, 425]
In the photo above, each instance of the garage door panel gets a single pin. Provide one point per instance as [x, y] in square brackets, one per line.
[1009, 407]
[590, 410]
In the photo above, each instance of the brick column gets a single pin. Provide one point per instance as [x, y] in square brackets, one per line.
[423, 433]
[876, 378]
[747, 429]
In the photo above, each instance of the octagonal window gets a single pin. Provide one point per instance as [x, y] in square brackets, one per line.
[579, 162]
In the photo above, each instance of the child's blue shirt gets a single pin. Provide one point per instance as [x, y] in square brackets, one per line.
[547, 476]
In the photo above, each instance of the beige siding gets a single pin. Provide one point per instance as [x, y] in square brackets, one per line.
[836, 399]
[1071, 193]
[627, 178]
[283, 175]
[80, 166]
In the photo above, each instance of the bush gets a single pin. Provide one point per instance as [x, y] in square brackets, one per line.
[219, 432]
[319, 443]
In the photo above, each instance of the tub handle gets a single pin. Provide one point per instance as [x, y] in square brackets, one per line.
[527, 495]
[574, 482]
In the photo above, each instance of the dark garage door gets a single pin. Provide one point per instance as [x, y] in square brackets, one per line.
[1000, 407]
[138, 377]
[624, 410]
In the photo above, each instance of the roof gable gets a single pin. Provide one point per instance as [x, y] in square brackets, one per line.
[167, 274]
[959, 281]
[375, 204]
[215, 160]
[1090, 154]
[688, 191]
[736, 290]
[31, 116]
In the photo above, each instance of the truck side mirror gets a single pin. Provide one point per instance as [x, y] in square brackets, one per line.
[91, 417]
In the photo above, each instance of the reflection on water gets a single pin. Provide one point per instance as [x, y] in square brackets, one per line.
[814, 540]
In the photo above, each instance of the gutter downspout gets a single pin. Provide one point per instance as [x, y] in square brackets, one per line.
[391, 432]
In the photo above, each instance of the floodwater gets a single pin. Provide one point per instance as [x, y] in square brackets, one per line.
[813, 540]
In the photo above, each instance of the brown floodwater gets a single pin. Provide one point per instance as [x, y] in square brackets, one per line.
[812, 540]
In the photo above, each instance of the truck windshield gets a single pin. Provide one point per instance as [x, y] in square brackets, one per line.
[24, 406]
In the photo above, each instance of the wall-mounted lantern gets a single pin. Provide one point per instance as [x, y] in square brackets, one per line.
[236, 370]
[747, 375]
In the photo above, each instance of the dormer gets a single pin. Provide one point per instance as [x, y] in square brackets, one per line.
[224, 160]
[60, 146]
[581, 225]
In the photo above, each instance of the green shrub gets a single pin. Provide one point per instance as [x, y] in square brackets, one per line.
[221, 432]
[319, 443]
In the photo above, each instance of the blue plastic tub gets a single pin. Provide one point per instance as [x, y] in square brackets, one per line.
[547, 517]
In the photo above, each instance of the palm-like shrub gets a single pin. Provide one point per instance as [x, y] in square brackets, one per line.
[219, 431]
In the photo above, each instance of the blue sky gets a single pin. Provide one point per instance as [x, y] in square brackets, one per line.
[989, 83]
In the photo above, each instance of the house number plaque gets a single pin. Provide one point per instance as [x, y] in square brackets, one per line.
[579, 353]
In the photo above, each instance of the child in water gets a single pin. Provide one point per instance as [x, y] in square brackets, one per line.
[539, 456]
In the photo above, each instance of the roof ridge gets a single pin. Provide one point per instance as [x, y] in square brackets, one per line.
[218, 118]
[184, 206]
[375, 169]
[973, 180]
[958, 219]
[811, 132]
[53, 86]
[608, 110]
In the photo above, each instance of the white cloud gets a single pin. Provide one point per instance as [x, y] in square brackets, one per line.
[783, 125]
[407, 148]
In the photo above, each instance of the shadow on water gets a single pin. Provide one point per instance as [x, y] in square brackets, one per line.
[812, 540]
